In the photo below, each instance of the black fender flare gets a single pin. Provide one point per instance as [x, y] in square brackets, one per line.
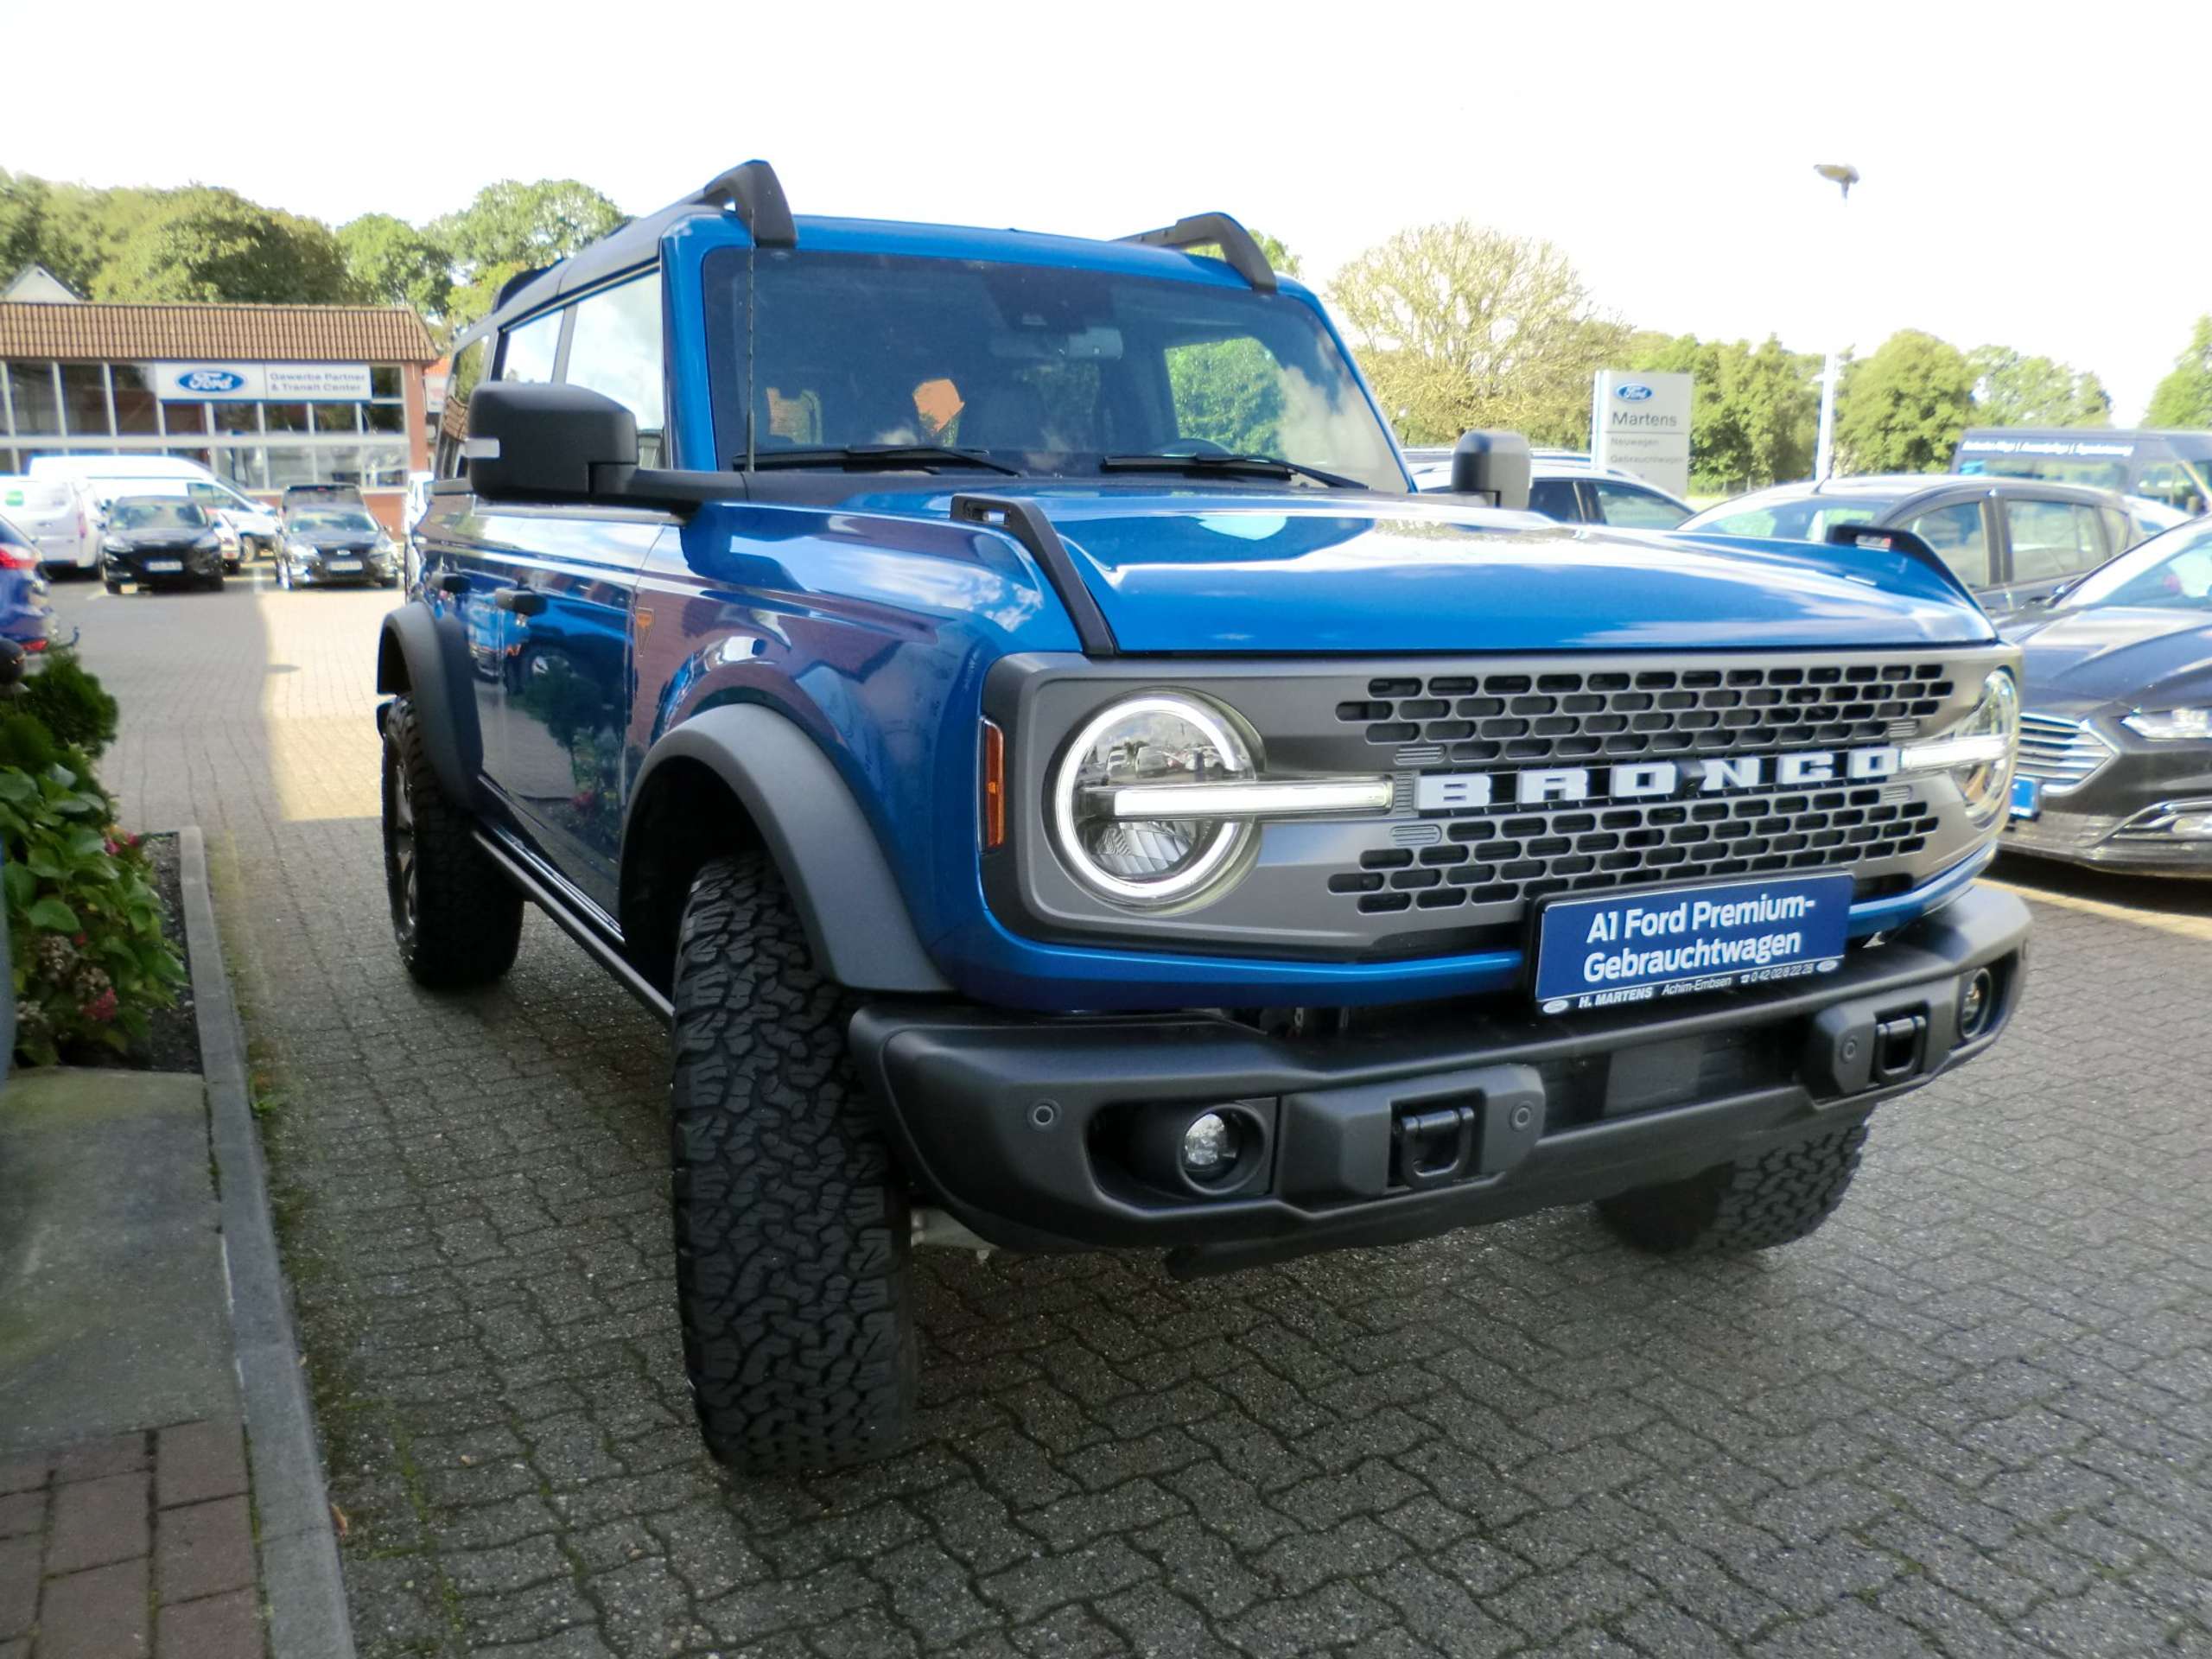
[856, 917]
[426, 657]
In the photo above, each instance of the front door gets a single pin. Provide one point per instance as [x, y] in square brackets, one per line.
[554, 598]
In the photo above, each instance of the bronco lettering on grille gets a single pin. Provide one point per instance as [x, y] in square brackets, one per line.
[1472, 792]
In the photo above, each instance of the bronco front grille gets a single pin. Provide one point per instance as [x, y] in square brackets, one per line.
[1647, 714]
[1516, 855]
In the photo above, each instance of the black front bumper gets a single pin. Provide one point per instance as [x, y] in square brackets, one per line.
[199, 565]
[2112, 820]
[1042, 1133]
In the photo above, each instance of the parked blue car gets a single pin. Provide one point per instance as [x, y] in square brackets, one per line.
[997, 697]
[26, 613]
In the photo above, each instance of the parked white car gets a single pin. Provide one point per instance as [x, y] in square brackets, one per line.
[105, 477]
[54, 513]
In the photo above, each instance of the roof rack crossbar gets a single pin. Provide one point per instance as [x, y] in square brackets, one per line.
[1216, 230]
[756, 195]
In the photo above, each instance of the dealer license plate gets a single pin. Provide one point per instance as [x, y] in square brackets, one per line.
[343, 564]
[2027, 797]
[1649, 943]
[164, 567]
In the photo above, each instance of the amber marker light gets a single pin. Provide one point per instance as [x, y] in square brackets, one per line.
[994, 787]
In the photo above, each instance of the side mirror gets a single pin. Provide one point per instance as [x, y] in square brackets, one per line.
[527, 441]
[1492, 464]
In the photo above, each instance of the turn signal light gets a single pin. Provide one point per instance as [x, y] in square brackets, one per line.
[994, 787]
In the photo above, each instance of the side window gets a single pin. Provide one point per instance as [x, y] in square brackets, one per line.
[1959, 539]
[453, 418]
[530, 350]
[615, 348]
[1554, 499]
[2051, 538]
[1634, 508]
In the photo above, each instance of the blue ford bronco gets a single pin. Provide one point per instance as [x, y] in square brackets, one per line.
[996, 697]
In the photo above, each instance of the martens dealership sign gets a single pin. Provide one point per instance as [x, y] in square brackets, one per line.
[1640, 423]
[192, 383]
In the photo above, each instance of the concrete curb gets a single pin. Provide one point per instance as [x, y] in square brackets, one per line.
[300, 1573]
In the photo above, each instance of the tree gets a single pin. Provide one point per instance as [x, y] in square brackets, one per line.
[1902, 410]
[524, 225]
[2010, 390]
[1753, 412]
[201, 244]
[1462, 326]
[2185, 396]
[394, 263]
[1285, 262]
[23, 216]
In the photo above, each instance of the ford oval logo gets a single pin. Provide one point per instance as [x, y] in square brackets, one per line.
[1634, 392]
[210, 380]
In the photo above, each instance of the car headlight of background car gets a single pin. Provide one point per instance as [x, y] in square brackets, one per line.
[1979, 751]
[300, 552]
[2171, 725]
[114, 544]
[207, 543]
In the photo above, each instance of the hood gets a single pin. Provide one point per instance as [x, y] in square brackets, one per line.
[2078, 661]
[163, 536]
[1246, 571]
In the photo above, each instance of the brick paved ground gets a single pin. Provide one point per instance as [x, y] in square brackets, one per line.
[139, 1544]
[1971, 1417]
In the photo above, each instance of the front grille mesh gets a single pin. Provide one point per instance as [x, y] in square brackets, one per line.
[1532, 719]
[2064, 753]
[1522, 856]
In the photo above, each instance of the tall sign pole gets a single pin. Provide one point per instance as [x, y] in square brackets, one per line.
[1843, 176]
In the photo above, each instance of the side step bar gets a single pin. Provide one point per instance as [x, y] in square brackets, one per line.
[540, 894]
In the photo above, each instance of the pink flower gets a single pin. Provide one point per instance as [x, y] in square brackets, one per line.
[101, 1009]
[79, 938]
[112, 849]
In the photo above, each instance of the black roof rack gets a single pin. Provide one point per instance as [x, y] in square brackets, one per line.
[1219, 231]
[754, 193]
[516, 283]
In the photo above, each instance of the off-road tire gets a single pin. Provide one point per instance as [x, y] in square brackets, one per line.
[1753, 1205]
[793, 1275]
[464, 922]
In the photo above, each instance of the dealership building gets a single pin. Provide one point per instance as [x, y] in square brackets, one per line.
[262, 395]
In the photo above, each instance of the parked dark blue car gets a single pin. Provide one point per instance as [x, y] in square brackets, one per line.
[26, 613]
[996, 697]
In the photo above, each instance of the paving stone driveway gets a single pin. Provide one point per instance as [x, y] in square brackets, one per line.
[1971, 1417]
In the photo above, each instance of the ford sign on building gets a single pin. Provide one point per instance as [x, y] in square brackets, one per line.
[1640, 423]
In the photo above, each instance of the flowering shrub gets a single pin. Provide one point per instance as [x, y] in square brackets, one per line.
[84, 925]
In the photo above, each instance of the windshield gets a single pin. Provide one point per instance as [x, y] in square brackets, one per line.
[147, 513]
[1789, 518]
[331, 524]
[2168, 572]
[1047, 370]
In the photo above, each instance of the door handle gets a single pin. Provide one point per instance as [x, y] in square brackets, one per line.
[521, 600]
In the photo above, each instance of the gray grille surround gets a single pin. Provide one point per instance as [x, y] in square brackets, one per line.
[1410, 883]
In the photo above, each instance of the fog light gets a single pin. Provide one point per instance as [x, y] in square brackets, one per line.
[1975, 1002]
[2197, 826]
[1209, 1145]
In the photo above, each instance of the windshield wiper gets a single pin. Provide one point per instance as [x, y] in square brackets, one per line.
[1265, 465]
[879, 457]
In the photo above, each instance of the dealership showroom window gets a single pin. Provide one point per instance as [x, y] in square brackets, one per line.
[235, 420]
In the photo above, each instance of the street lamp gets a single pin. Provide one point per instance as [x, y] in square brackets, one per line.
[1843, 176]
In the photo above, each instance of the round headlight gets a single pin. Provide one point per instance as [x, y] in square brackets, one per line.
[1158, 740]
[1987, 785]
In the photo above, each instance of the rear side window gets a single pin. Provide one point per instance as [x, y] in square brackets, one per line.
[2052, 538]
[529, 350]
[1635, 509]
[1554, 499]
[614, 348]
[1959, 539]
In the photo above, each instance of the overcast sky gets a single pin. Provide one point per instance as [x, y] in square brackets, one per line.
[2035, 174]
